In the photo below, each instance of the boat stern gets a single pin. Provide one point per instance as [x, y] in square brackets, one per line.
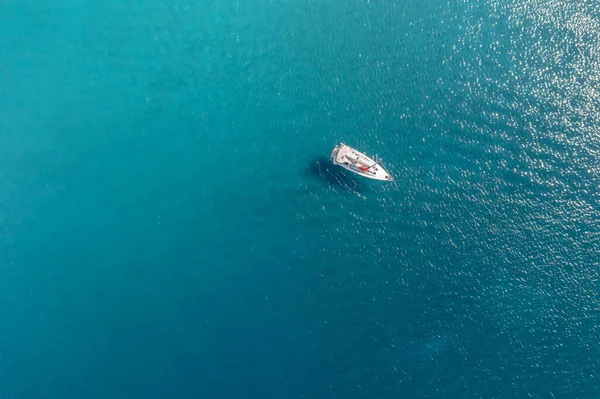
[334, 153]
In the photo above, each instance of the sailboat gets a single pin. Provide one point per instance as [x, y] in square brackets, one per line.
[359, 163]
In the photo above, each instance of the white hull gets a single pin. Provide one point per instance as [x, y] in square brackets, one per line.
[359, 163]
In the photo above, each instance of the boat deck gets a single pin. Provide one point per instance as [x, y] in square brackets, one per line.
[357, 162]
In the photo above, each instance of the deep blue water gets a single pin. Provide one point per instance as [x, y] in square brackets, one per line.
[170, 226]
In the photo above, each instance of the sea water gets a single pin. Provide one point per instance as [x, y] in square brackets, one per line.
[171, 227]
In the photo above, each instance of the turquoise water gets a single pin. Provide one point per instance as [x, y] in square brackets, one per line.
[170, 226]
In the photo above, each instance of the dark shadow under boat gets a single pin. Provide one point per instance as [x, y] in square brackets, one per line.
[323, 169]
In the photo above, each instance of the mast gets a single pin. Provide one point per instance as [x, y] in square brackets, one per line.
[377, 161]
